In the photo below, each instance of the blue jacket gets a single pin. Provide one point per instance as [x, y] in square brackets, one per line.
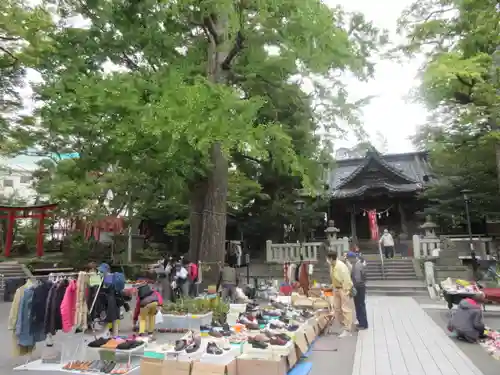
[24, 333]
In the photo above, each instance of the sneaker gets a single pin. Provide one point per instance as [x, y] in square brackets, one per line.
[360, 328]
[213, 348]
[345, 334]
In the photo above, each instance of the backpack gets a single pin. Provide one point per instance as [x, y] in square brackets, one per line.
[117, 279]
[144, 291]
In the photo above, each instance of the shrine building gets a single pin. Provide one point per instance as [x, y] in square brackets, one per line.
[376, 192]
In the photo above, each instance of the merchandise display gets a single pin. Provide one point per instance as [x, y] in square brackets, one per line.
[276, 334]
[492, 343]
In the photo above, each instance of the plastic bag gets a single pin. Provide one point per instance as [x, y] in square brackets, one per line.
[159, 318]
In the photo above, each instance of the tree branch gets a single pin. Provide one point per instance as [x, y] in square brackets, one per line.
[464, 82]
[237, 47]
[210, 27]
[7, 52]
[251, 158]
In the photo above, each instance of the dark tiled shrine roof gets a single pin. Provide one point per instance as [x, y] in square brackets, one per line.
[403, 173]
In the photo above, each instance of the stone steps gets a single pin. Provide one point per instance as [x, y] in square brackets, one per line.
[11, 270]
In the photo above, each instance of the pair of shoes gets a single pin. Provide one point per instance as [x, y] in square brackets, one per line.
[213, 348]
[98, 343]
[345, 334]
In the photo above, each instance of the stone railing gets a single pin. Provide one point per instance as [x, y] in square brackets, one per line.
[423, 246]
[290, 252]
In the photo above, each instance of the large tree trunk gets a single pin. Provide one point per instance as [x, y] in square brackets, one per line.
[208, 217]
[209, 196]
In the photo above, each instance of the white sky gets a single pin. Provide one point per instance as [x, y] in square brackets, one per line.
[389, 113]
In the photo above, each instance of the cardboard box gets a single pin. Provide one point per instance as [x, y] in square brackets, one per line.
[292, 358]
[314, 293]
[151, 366]
[174, 367]
[246, 365]
[301, 345]
[310, 334]
[202, 368]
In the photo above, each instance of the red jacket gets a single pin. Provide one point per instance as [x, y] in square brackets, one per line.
[138, 305]
[193, 272]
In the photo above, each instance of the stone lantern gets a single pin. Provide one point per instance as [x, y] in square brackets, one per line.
[331, 232]
[429, 227]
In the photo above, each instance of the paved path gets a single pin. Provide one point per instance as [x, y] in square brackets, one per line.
[404, 340]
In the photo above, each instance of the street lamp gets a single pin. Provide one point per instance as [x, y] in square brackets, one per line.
[299, 205]
[465, 195]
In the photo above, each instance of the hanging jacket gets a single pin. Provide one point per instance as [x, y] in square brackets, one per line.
[81, 310]
[53, 319]
[68, 307]
[25, 336]
[13, 316]
[48, 308]
[38, 305]
[138, 304]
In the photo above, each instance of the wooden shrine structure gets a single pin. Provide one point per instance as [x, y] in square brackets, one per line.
[29, 212]
[378, 192]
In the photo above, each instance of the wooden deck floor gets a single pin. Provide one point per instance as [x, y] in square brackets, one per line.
[404, 340]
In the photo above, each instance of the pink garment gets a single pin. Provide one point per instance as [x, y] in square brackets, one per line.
[68, 307]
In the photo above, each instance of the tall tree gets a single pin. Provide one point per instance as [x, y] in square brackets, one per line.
[460, 80]
[190, 84]
[22, 30]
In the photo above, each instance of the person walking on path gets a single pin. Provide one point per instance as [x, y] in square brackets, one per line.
[358, 277]
[342, 285]
[387, 243]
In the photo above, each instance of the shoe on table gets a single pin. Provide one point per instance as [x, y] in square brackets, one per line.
[345, 334]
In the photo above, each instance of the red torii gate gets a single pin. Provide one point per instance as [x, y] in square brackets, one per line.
[28, 212]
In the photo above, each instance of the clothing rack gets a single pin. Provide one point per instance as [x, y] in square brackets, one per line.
[40, 276]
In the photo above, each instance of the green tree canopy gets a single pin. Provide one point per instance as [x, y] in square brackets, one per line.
[460, 87]
[161, 97]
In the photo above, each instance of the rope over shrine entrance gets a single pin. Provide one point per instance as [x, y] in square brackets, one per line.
[28, 212]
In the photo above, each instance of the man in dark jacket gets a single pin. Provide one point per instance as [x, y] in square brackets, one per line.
[467, 322]
[358, 277]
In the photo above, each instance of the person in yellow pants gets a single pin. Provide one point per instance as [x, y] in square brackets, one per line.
[147, 316]
[145, 312]
[342, 290]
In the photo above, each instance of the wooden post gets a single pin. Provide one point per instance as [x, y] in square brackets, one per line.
[404, 227]
[40, 234]
[10, 232]
[354, 235]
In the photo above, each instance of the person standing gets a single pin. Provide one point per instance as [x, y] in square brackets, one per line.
[358, 276]
[342, 285]
[387, 242]
[228, 282]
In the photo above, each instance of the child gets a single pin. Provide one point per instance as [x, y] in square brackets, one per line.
[147, 305]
